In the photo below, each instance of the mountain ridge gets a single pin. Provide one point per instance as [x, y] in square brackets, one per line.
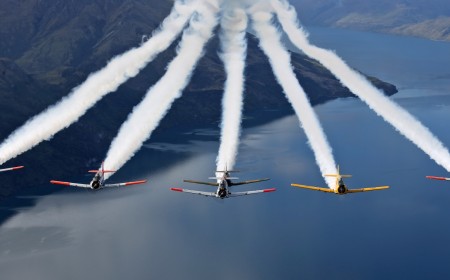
[53, 56]
[419, 18]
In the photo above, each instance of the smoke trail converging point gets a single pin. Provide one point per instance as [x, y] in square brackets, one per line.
[280, 62]
[234, 47]
[147, 115]
[398, 117]
[59, 116]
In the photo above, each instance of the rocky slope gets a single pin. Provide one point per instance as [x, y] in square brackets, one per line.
[48, 47]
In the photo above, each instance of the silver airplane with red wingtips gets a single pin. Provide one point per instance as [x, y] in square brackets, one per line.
[438, 178]
[223, 185]
[98, 181]
[11, 168]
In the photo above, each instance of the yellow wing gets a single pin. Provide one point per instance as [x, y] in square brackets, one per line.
[313, 188]
[368, 189]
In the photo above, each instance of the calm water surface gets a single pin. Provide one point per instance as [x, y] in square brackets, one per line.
[149, 232]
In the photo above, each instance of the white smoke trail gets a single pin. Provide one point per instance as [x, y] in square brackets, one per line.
[234, 47]
[281, 64]
[398, 117]
[123, 67]
[146, 116]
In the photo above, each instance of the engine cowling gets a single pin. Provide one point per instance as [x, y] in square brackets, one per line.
[95, 185]
[342, 189]
[222, 193]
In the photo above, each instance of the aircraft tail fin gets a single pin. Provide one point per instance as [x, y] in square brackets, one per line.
[229, 171]
[338, 174]
[102, 170]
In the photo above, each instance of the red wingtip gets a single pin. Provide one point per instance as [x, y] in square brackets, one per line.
[18, 167]
[136, 182]
[270, 190]
[60, 183]
[436, 178]
[176, 189]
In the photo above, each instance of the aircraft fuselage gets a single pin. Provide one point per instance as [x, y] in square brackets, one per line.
[97, 181]
[222, 190]
[341, 187]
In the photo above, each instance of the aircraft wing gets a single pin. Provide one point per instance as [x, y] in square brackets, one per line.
[368, 189]
[438, 178]
[201, 183]
[70, 184]
[252, 192]
[249, 182]
[328, 190]
[11, 168]
[125, 184]
[210, 194]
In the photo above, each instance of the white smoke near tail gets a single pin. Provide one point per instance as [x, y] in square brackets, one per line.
[146, 116]
[234, 50]
[398, 117]
[117, 71]
[281, 64]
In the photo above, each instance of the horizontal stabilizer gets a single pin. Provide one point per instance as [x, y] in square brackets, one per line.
[338, 175]
[438, 178]
[104, 171]
[229, 171]
[218, 178]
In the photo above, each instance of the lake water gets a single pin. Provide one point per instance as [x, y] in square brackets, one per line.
[149, 232]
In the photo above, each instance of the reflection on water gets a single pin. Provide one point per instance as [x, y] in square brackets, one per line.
[148, 232]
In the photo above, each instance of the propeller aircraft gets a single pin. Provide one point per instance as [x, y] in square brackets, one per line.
[340, 187]
[223, 184]
[98, 181]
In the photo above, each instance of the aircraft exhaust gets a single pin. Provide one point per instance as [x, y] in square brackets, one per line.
[392, 113]
[121, 68]
[233, 54]
[280, 61]
[158, 100]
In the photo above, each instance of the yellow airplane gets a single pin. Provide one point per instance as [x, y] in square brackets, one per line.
[340, 187]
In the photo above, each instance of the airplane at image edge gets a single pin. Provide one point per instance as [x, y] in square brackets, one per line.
[340, 187]
[98, 181]
[223, 184]
[438, 178]
[11, 168]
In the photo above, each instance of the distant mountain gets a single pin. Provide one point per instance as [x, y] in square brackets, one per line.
[47, 47]
[421, 18]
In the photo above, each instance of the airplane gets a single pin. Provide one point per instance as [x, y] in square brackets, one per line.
[340, 187]
[223, 184]
[438, 178]
[98, 181]
[11, 168]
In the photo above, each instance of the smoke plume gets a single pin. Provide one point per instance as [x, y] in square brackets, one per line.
[398, 117]
[234, 47]
[146, 116]
[281, 64]
[117, 71]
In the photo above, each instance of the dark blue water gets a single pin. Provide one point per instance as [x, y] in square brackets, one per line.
[148, 232]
